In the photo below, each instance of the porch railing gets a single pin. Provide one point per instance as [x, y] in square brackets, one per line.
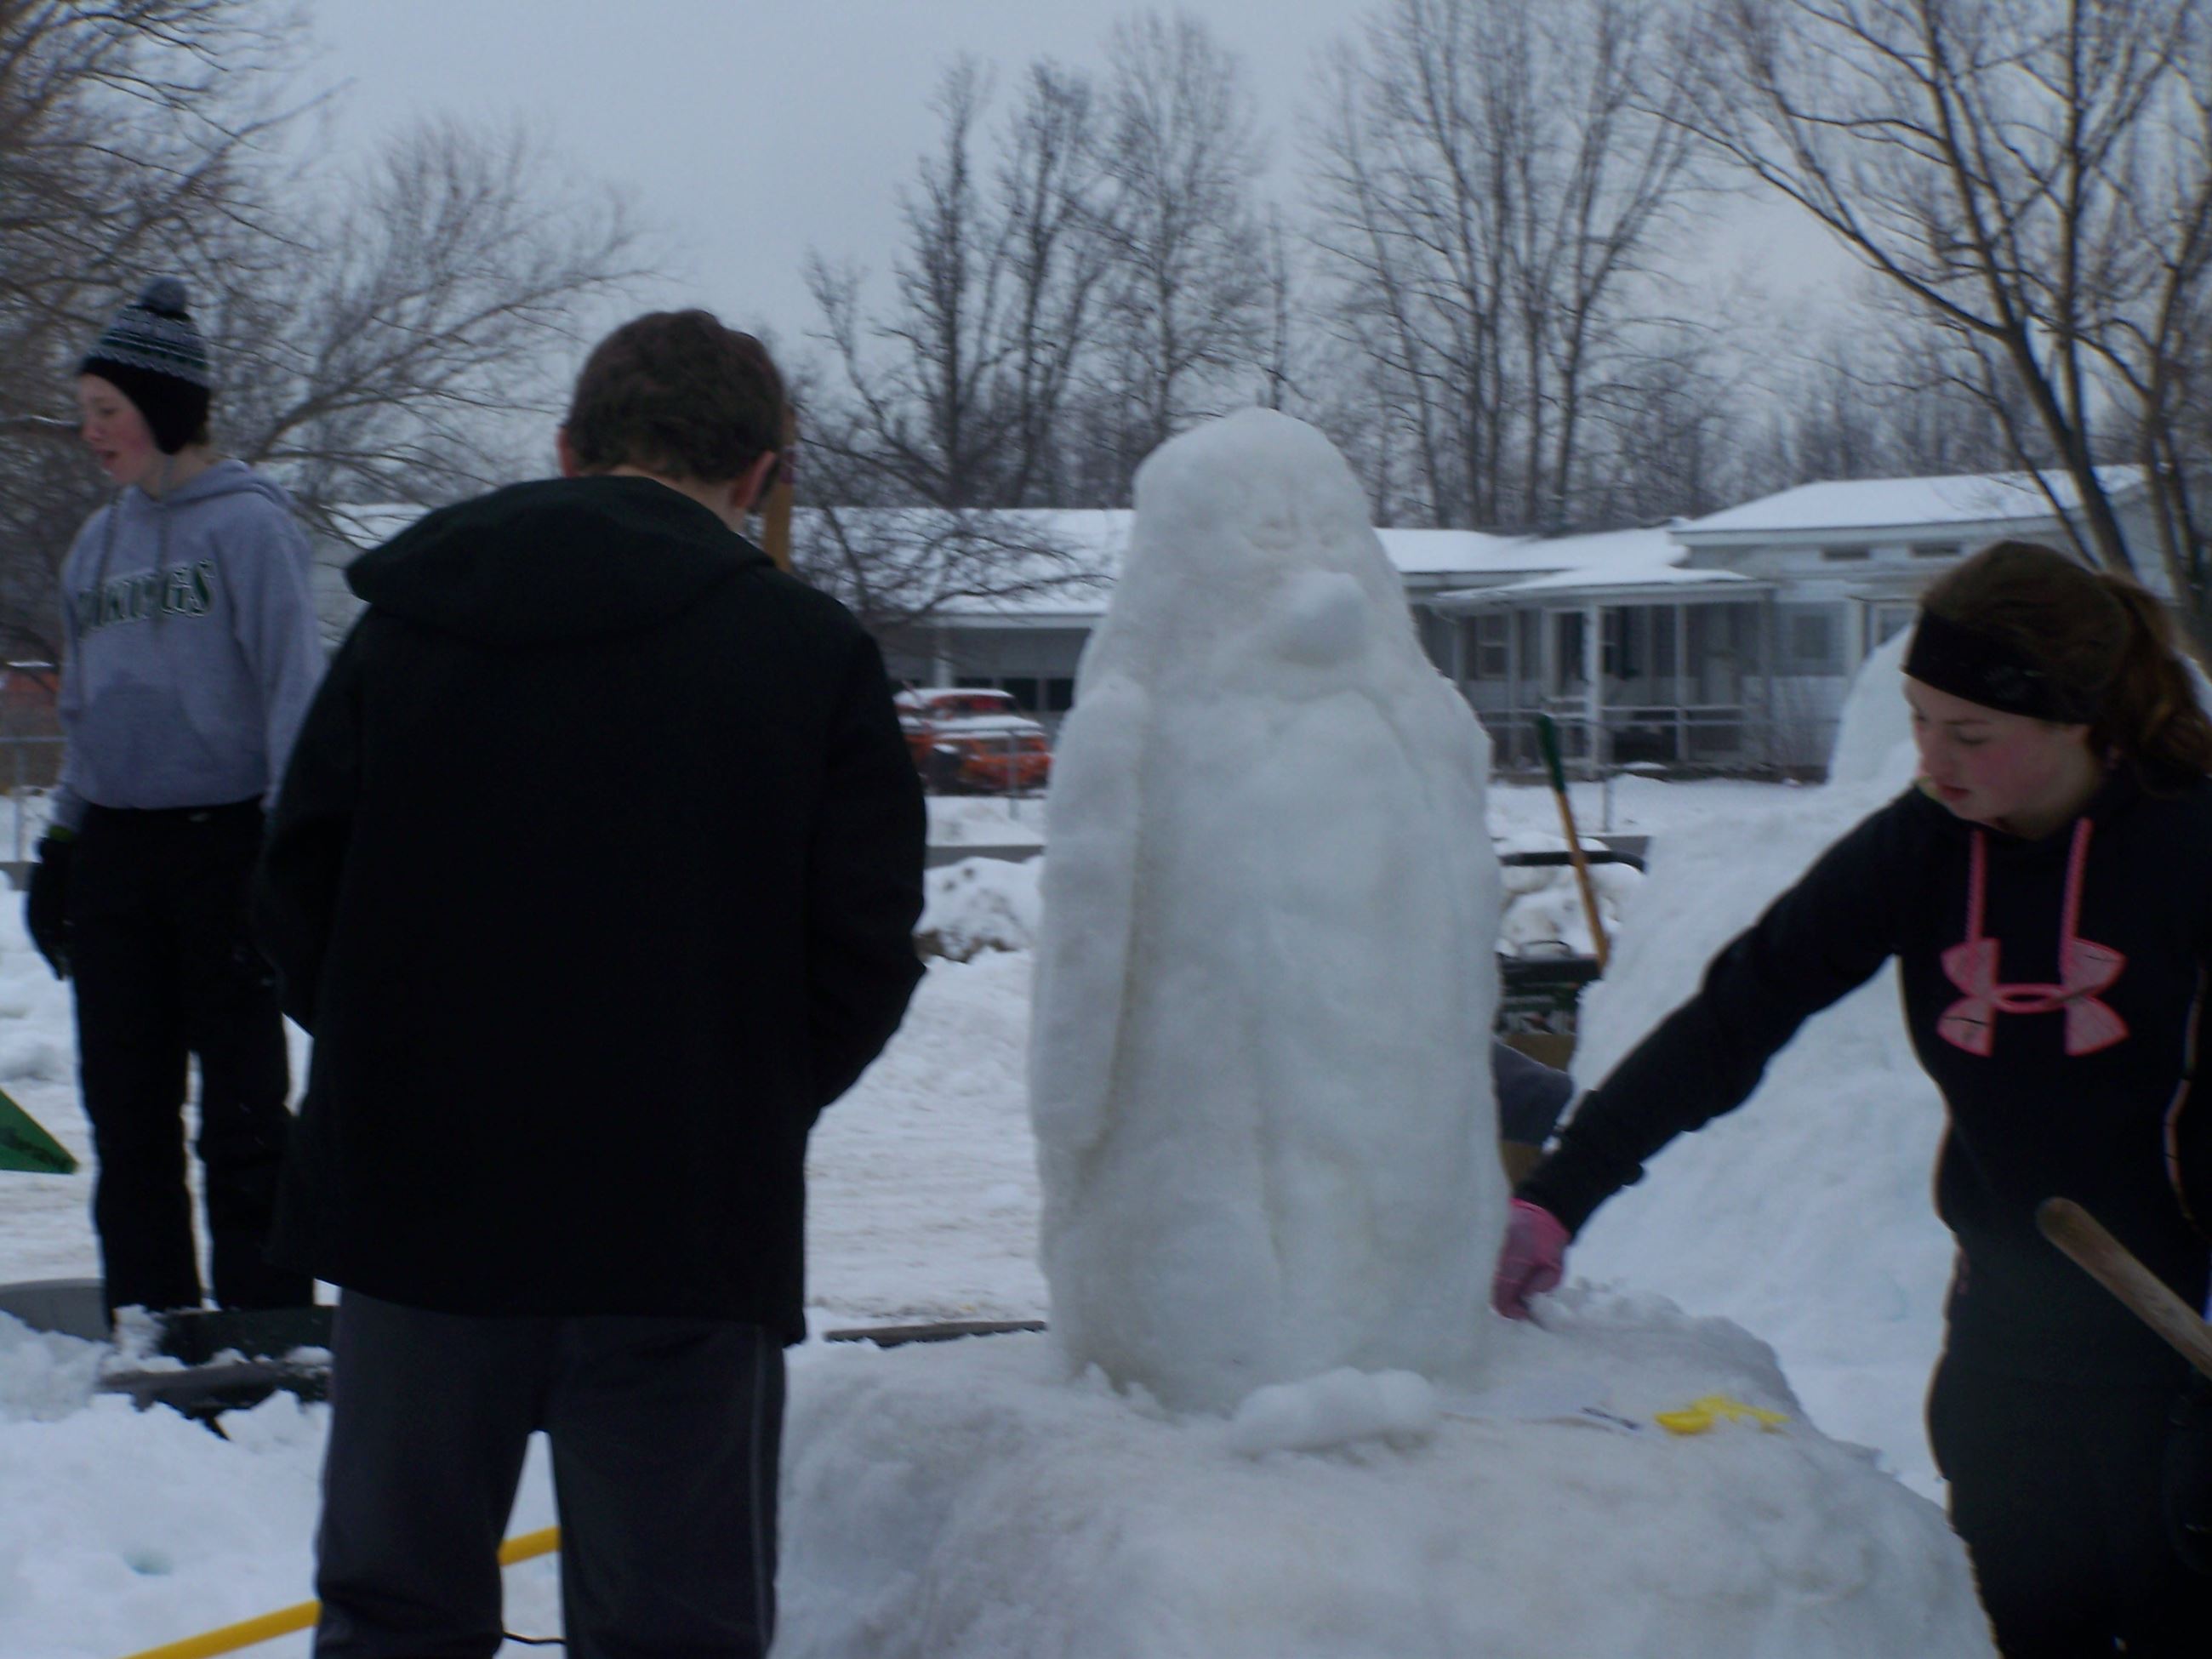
[1707, 738]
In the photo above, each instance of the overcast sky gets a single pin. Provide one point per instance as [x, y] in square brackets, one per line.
[753, 131]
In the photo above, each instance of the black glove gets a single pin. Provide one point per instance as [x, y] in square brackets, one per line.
[45, 906]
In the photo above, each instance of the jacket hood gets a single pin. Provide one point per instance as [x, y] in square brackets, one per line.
[223, 477]
[558, 559]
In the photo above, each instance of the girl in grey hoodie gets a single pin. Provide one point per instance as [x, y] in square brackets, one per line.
[190, 652]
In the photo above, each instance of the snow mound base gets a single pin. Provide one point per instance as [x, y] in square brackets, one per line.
[970, 1501]
[1334, 1409]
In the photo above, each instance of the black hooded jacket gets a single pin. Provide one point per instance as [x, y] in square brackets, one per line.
[594, 876]
[2063, 1079]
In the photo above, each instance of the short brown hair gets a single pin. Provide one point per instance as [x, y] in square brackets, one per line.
[2103, 637]
[675, 393]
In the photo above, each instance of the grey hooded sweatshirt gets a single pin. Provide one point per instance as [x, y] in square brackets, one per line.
[191, 647]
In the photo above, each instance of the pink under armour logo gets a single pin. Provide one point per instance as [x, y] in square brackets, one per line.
[2085, 969]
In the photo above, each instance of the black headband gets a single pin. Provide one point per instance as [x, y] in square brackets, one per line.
[1954, 657]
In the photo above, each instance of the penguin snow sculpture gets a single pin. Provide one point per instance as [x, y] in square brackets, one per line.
[1258, 1070]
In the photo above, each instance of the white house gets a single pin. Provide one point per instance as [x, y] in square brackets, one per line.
[1724, 642]
[1732, 648]
[1029, 644]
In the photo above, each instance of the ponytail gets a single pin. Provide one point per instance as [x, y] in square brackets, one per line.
[2150, 712]
[2101, 638]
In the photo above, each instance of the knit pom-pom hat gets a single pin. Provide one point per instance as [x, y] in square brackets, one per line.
[153, 355]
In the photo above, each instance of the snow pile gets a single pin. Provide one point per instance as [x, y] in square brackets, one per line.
[922, 1182]
[978, 905]
[205, 1531]
[1266, 942]
[985, 821]
[1873, 736]
[43, 1376]
[1543, 914]
[126, 1529]
[1806, 1215]
[968, 1501]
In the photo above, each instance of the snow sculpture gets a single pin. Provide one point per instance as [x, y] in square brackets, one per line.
[1259, 1072]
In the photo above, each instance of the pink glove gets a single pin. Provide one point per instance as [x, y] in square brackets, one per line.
[1532, 1260]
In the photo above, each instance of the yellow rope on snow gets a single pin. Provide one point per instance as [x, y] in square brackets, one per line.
[285, 1620]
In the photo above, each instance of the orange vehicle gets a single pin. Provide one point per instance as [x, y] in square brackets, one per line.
[973, 738]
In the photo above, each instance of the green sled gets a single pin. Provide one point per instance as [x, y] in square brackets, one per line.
[24, 1146]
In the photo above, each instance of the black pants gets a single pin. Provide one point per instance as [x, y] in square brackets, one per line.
[665, 1435]
[164, 970]
[2056, 1489]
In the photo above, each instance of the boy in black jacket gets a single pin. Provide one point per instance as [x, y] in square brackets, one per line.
[594, 876]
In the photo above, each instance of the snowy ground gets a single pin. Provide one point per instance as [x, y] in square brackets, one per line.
[1804, 1219]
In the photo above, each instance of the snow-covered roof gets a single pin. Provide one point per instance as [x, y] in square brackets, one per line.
[1461, 552]
[1097, 540]
[1857, 506]
[1661, 583]
[1079, 552]
[1608, 561]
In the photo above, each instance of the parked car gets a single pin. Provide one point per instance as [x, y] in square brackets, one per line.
[973, 738]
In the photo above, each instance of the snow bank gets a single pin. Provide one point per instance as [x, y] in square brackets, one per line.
[922, 1182]
[124, 1530]
[1543, 914]
[969, 1501]
[979, 904]
[1873, 736]
[985, 821]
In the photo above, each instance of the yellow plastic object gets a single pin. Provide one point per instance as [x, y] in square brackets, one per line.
[285, 1620]
[1700, 1415]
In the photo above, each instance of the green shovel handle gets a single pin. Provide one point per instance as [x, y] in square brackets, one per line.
[1547, 741]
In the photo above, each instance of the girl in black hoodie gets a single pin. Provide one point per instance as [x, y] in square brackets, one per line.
[2046, 889]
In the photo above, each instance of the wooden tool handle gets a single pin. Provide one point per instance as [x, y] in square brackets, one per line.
[1547, 739]
[2112, 1265]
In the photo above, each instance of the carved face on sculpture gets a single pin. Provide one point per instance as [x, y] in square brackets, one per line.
[1250, 530]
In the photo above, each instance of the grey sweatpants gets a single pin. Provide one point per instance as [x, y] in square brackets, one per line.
[664, 1436]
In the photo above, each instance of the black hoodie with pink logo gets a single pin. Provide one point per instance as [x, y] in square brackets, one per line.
[2053, 990]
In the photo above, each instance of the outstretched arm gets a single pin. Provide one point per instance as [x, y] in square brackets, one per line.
[1825, 936]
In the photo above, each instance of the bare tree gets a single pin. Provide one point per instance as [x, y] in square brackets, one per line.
[1189, 287]
[901, 569]
[1491, 180]
[954, 395]
[1058, 227]
[959, 399]
[383, 351]
[124, 142]
[2033, 174]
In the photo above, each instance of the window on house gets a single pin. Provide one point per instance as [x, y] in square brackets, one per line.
[1491, 652]
[1811, 639]
[1845, 555]
[1567, 660]
[1936, 549]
